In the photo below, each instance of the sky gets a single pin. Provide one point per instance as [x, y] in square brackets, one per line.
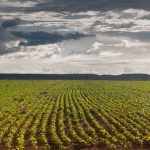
[75, 36]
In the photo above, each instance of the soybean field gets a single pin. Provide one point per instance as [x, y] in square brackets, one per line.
[74, 115]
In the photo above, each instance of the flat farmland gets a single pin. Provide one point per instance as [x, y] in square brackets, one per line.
[66, 114]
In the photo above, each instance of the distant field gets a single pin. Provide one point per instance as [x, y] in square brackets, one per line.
[74, 115]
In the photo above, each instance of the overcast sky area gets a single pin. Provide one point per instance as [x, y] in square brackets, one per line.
[75, 36]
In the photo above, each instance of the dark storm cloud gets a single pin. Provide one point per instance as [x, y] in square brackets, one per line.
[76, 5]
[5, 37]
[79, 5]
[85, 5]
[11, 23]
[39, 38]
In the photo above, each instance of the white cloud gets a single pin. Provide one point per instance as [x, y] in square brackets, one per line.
[95, 47]
[8, 3]
[117, 45]
[78, 64]
[121, 21]
[130, 20]
[12, 44]
[129, 44]
[35, 52]
[110, 53]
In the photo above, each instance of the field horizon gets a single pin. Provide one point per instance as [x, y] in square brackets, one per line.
[75, 76]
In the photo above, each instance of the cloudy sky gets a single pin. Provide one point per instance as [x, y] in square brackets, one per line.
[75, 36]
